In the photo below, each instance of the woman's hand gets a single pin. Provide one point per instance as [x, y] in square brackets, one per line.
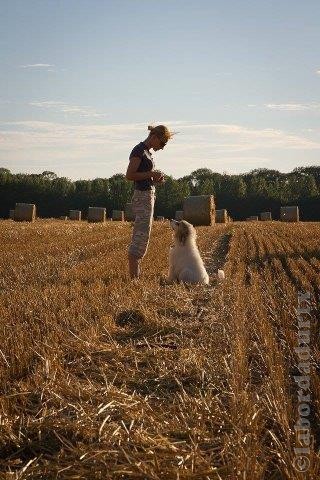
[161, 180]
[158, 176]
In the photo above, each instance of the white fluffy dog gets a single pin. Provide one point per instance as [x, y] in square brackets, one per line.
[185, 262]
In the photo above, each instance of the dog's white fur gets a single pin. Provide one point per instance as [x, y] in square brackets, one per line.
[185, 262]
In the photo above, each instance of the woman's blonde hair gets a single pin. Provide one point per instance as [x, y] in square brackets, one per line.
[161, 131]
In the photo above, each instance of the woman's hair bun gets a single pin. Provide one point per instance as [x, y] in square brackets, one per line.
[161, 131]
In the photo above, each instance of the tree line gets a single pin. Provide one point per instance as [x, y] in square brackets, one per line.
[242, 195]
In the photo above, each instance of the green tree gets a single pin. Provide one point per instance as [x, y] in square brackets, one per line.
[307, 187]
[120, 191]
[170, 196]
[313, 170]
[49, 175]
[233, 186]
[206, 187]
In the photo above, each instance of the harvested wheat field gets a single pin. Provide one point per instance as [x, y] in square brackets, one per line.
[103, 378]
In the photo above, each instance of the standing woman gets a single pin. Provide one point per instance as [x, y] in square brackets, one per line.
[141, 170]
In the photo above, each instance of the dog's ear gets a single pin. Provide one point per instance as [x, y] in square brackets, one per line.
[182, 233]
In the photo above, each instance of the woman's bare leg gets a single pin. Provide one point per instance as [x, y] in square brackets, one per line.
[134, 266]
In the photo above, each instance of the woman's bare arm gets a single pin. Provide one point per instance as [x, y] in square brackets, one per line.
[132, 173]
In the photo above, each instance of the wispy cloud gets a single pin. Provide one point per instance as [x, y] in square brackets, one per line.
[231, 137]
[293, 107]
[37, 65]
[192, 136]
[102, 150]
[61, 107]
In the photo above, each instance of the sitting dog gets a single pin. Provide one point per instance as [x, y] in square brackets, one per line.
[185, 263]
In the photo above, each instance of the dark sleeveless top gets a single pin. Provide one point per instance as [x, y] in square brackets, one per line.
[146, 164]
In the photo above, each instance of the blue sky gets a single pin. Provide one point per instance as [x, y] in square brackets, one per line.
[81, 80]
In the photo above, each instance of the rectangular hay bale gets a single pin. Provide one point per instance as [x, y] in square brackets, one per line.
[118, 215]
[179, 215]
[265, 216]
[221, 216]
[25, 212]
[96, 214]
[199, 210]
[289, 214]
[75, 215]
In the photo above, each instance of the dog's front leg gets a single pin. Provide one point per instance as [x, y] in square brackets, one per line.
[171, 276]
[167, 280]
